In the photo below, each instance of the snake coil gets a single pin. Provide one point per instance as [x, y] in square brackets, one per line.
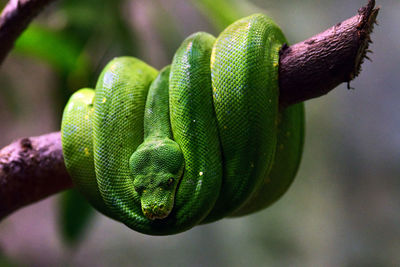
[200, 140]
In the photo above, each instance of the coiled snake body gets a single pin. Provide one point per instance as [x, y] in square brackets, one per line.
[200, 140]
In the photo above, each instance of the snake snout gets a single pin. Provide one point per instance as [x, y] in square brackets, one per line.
[155, 211]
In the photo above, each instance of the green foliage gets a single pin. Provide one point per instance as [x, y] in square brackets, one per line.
[2, 4]
[224, 12]
[10, 96]
[75, 215]
[53, 47]
[99, 21]
[5, 261]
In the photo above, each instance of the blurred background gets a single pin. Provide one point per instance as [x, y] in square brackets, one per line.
[343, 208]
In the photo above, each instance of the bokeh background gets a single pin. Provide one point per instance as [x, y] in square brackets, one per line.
[343, 208]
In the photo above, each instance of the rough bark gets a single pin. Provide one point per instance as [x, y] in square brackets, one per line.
[315, 66]
[33, 168]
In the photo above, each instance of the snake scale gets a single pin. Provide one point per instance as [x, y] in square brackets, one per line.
[201, 140]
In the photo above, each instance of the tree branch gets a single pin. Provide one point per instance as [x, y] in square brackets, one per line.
[14, 19]
[33, 168]
[315, 66]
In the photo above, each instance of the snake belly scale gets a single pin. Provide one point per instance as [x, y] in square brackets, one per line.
[200, 140]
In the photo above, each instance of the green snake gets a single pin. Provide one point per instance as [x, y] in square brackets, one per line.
[201, 140]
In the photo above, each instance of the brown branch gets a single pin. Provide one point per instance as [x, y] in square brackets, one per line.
[14, 19]
[33, 168]
[315, 66]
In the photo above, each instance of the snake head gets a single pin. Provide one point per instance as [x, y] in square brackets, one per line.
[157, 167]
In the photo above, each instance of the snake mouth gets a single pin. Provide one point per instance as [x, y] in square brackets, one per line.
[156, 211]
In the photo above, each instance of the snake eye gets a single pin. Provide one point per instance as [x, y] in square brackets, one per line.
[170, 181]
[139, 189]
